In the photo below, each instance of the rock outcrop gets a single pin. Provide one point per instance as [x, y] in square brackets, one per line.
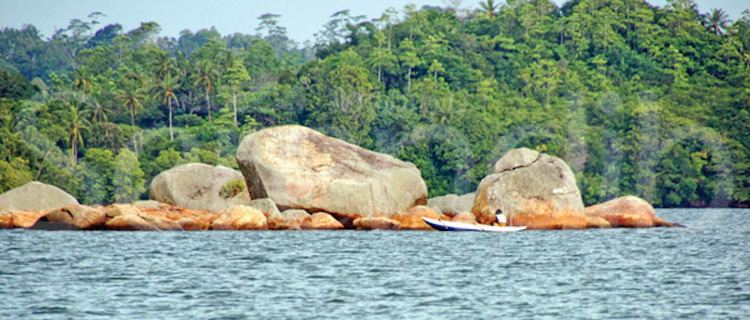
[163, 217]
[451, 204]
[200, 186]
[130, 222]
[6, 220]
[532, 189]
[411, 219]
[597, 223]
[627, 212]
[240, 218]
[73, 217]
[26, 219]
[265, 205]
[35, 196]
[465, 217]
[376, 223]
[300, 168]
[321, 221]
[288, 220]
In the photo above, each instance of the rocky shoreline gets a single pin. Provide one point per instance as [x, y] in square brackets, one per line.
[295, 178]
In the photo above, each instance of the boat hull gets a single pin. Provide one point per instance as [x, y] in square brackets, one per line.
[460, 226]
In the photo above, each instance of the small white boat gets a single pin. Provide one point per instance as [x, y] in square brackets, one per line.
[461, 226]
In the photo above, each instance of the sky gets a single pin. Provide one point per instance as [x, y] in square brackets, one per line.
[302, 18]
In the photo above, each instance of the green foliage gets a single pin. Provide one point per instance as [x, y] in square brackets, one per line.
[232, 188]
[14, 85]
[14, 174]
[127, 178]
[95, 175]
[638, 99]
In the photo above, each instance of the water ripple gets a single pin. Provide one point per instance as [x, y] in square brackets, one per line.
[700, 272]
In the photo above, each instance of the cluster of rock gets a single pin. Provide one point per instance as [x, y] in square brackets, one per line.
[301, 179]
[539, 191]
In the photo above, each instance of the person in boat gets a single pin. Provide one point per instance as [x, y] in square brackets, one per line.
[502, 220]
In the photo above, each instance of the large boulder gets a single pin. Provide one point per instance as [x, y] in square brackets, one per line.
[240, 218]
[300, 168]
[451, 204]
[200, 186]
[627, 212]
[532, 189]
[35, 196]
[73, 217]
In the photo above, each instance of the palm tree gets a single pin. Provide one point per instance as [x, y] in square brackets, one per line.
[205, 76]
[82, 80]
[131, 98]
[98, 111]
[717, 21]
[489, 7]
[165, 94]
[162, 64]
[76, 125]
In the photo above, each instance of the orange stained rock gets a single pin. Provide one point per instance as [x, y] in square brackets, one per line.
[26, 219]
[376, 223]
[411, 219]
[321, 221]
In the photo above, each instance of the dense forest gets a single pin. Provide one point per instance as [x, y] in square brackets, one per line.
[638, 99]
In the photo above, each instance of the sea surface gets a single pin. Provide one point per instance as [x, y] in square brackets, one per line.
[698, 272]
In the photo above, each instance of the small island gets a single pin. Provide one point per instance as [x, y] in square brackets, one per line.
[293, 177]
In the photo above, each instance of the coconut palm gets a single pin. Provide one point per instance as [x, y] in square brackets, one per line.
[162, 64]
[75, 117]
[717, 21]
[205, 75]
[165, 94]
[131, 97]
[82, 80]
[489, 7]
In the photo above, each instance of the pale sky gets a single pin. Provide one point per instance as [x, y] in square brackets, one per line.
[301, 18]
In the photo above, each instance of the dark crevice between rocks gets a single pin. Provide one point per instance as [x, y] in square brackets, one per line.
[538, 157]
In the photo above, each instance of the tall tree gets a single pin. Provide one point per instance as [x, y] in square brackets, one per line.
[131, 97]
[717, 21]
[409, 59]
[489, 8]
[235, 76]
[205, 75]
[165, 93]
[77, 125]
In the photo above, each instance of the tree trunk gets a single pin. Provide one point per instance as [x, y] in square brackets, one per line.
[408, 80]
[171, 133]
[73, 151]
[234, 106]
[132, 116]
[208, 102]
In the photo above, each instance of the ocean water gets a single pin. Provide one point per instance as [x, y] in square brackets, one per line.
[698, 272]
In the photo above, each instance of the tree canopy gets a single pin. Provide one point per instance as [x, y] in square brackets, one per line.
[638, 99]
